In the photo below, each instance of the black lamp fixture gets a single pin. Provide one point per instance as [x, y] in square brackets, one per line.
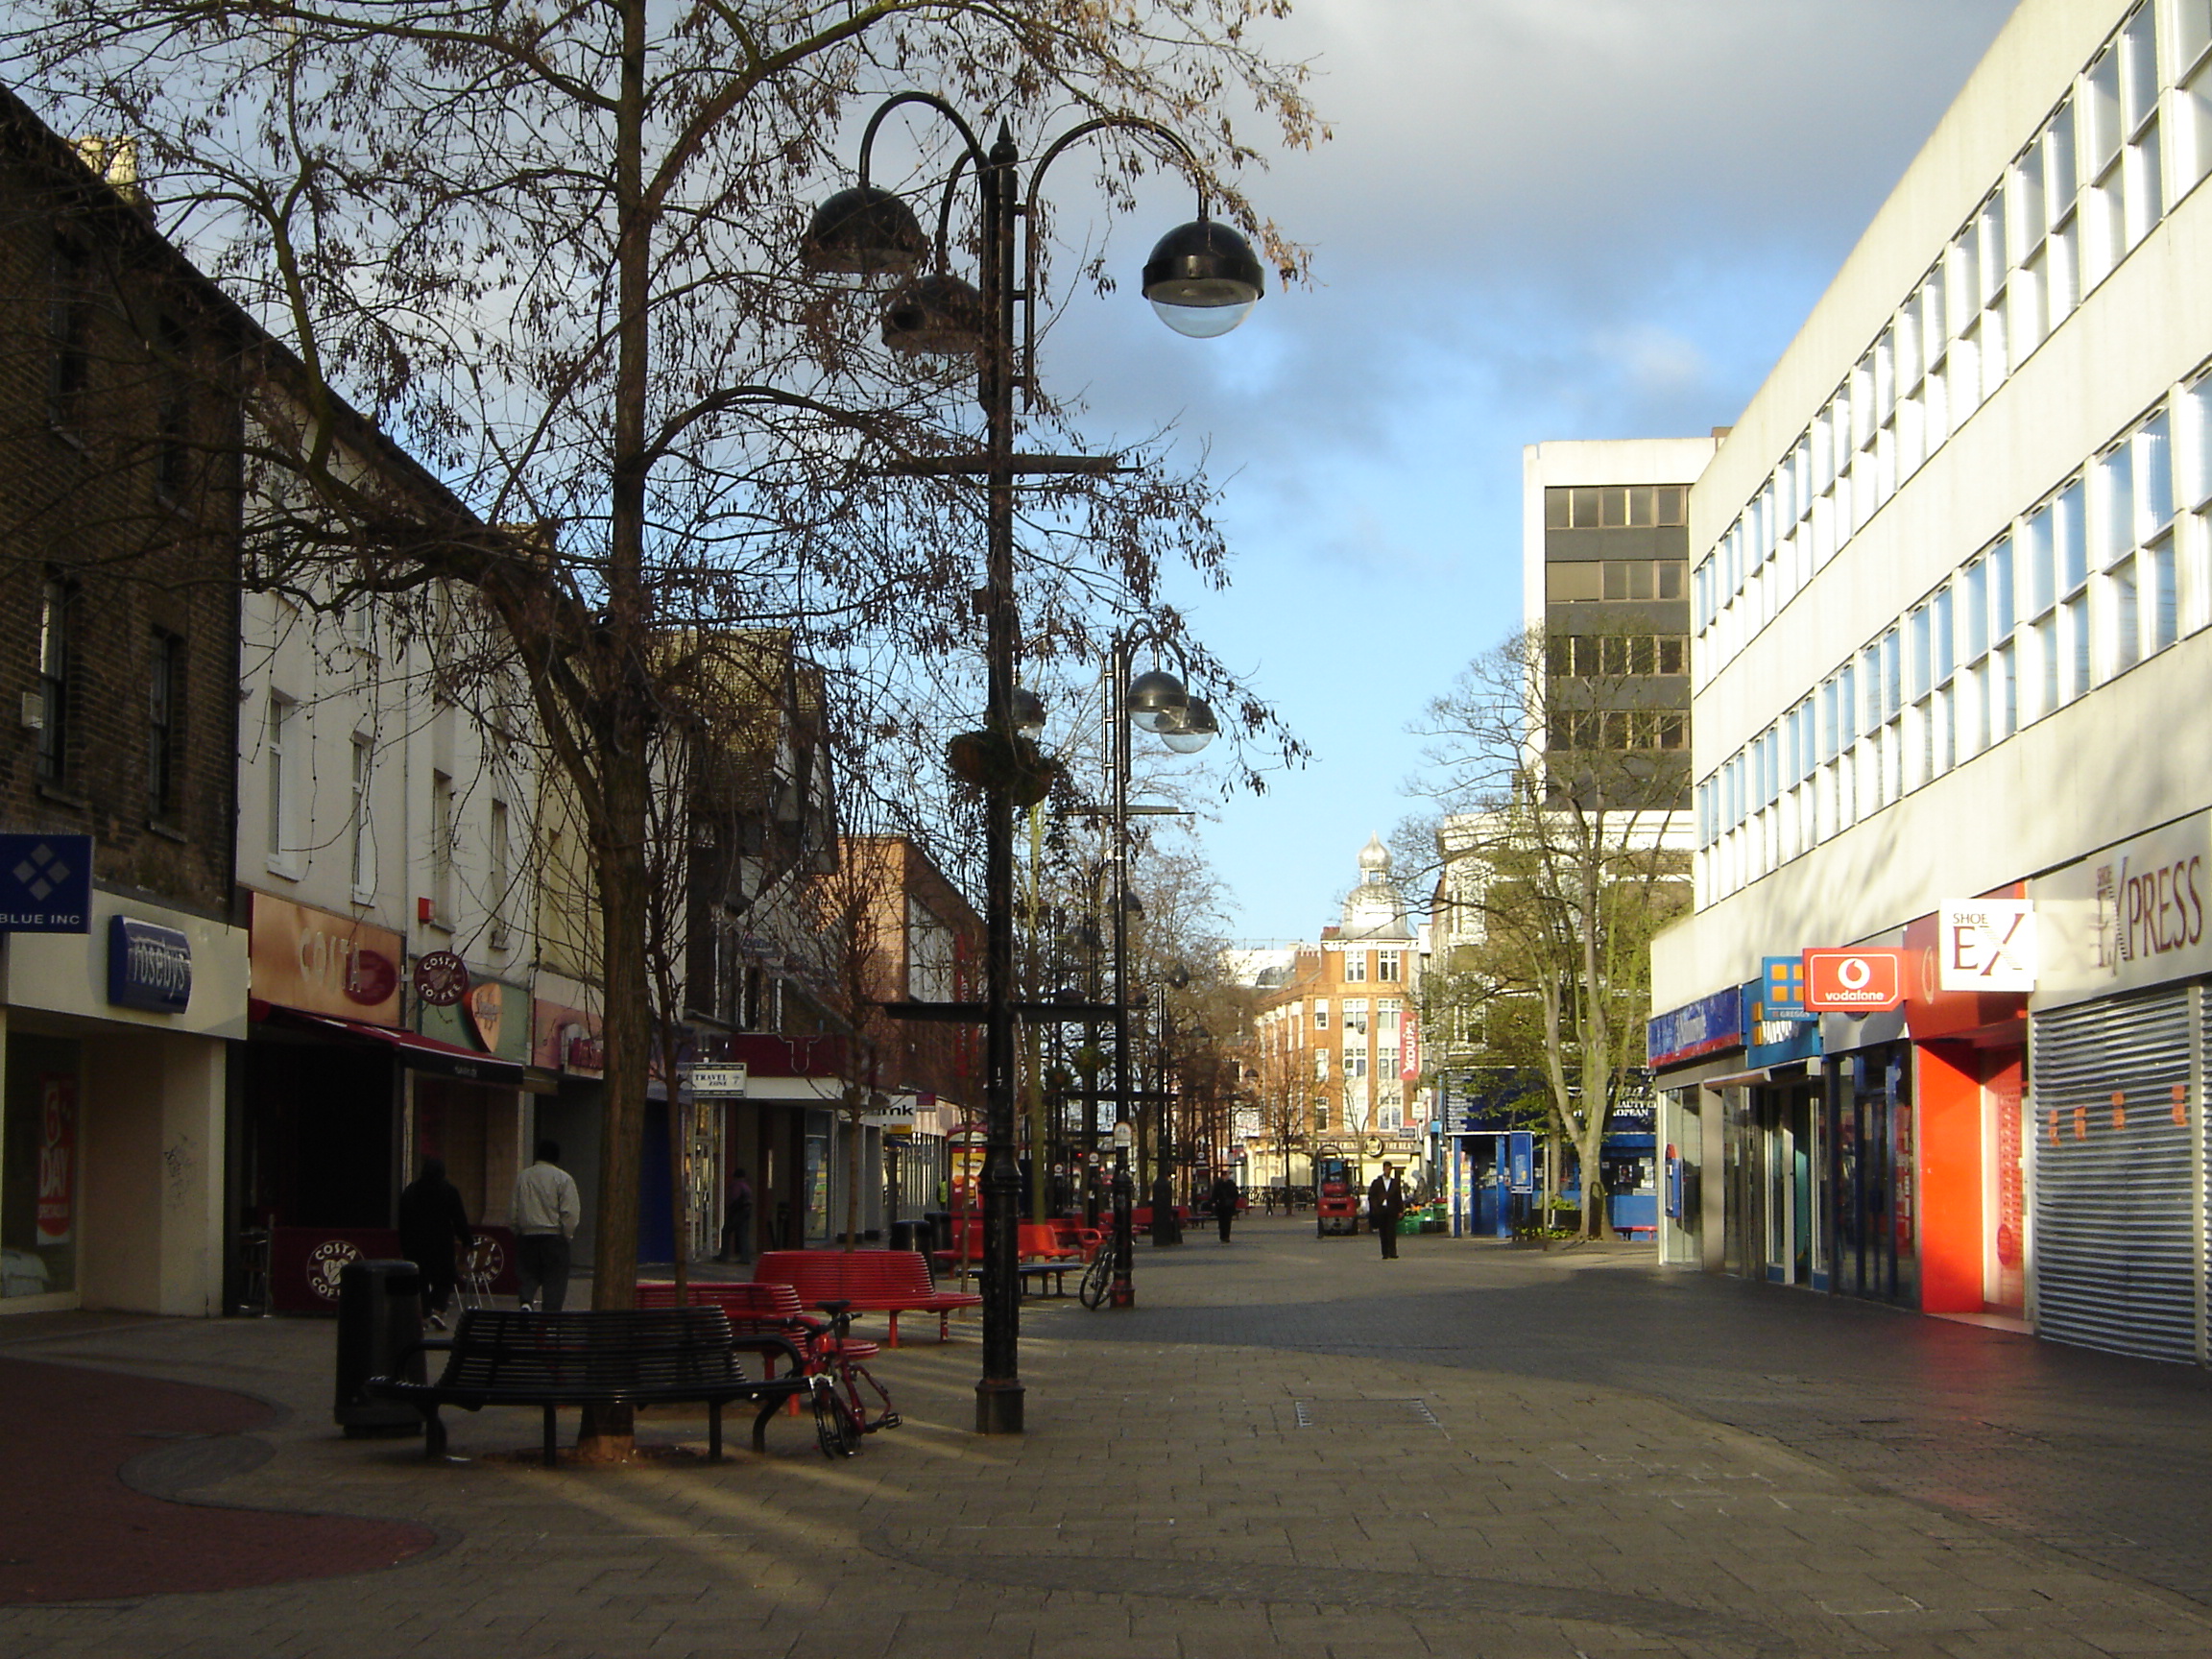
[1193, 730]
[1203, 279]
[864, 231]
[1155, 701]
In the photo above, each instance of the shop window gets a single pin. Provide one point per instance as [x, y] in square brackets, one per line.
[41, 1138]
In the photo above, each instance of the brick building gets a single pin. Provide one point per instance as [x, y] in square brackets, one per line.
[119, 504]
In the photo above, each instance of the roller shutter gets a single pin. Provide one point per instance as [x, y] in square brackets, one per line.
[2114, 1234]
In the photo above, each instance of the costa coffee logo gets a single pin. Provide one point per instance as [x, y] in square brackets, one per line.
[324, 1262]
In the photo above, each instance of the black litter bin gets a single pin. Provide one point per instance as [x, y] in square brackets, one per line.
[379, 1319]
[902, 1235]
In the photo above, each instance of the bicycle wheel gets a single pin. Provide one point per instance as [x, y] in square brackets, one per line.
[1097, 1280]
[835, 1428]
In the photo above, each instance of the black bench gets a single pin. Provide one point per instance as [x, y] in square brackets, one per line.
[648, 1356]
[1037, 1272]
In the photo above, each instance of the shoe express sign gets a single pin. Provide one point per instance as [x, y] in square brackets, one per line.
[1854, 981]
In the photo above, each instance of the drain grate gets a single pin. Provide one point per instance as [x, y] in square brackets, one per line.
[1364, 1414]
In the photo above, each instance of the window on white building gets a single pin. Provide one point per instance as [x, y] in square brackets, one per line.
[2193, 103]
[284, 766]
[363, 829]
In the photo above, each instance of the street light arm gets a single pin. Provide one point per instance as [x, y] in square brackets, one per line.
[1026, 377]
[975, 150]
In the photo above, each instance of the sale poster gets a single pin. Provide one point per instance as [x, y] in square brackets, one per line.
[56, 1218]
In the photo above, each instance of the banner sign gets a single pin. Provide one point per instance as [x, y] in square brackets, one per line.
[1986, 944]
[1854, 981]
[45, 884]
[1521, 1160]
[1706, 1026]
[323, 964]
[55, 1221]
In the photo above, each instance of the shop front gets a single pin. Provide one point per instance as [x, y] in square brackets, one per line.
[2117, 1146]
[114, 1046]
[1691, 1050]
[329, 1126]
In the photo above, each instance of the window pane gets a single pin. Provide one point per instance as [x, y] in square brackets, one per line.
[2127, 642]
[1673, 504]
[2139, 59]
[1921, 657]
[2042, 561]
[1585, 509]
[2067, 531]
[1641, 507]
[1640, 580]
[2165, 594]
[2001, 611]
[2101, 110]
[2154, 476]
[1670, 580]
[1616, 578]
[1565, 583]
[2116, 515]
[1559, 510]
[1612, 508]
[2058, 162]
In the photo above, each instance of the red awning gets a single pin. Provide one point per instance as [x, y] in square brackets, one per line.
[411, 1048]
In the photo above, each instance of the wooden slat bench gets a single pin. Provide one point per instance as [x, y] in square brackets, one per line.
[501, 1356]
[891, 1282]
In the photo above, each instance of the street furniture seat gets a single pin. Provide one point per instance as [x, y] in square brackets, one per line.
[891, 1282]
[654, 1357]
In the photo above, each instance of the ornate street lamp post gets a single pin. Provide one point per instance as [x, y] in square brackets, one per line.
[1203, 279]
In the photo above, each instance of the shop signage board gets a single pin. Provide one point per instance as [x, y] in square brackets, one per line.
[2130, 916]
[1706, 1026]
[323, 964]
[717, 1082]
[1854, 981]
[1782, 989]
[1986, 944]
[149, 966]
[45, 884]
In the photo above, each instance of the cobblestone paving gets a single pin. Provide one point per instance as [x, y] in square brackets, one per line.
[1202, 1479]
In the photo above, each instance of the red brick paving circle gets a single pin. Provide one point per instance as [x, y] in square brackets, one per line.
[71, 1530]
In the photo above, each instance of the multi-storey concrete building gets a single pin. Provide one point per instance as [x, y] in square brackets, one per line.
[1954, 578]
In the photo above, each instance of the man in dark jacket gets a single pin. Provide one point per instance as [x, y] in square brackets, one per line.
[431, 1223]
[1224, 1200]
[1386, 1204]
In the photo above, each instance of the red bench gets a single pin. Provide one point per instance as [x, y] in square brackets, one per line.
[891, 1282]
[756, 1307]
[1038, 1241]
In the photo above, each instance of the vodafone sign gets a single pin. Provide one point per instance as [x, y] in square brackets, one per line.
[1854, 981]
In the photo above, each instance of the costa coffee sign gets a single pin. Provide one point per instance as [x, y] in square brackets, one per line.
[1854, 981]
[323, 964]
[2132, 915]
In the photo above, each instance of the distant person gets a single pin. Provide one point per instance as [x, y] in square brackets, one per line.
[1386, 1204]
[547, 1212]
[737, 1218]
[432, 1222]
[1224, 1204]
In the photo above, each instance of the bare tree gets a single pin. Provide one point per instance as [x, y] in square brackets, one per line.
[1559, 844]
[553, 255]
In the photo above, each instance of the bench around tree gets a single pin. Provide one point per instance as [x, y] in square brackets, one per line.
[656, 1357]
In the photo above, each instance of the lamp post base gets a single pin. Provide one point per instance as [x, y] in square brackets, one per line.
[998, 1408]
[1121, 1294]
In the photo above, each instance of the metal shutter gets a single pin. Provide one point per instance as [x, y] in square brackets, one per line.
[2114, 1243]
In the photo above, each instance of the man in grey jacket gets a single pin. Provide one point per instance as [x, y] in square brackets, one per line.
[547, 1212]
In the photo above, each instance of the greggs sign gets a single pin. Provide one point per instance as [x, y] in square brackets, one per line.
[1854, 981]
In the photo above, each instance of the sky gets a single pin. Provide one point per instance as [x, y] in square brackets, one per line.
[1537, 219]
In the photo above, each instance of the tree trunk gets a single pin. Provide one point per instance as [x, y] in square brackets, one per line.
[625, 765]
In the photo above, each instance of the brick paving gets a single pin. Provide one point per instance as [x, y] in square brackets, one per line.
[1288, 1448]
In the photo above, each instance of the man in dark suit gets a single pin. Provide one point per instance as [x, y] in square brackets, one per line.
[1386, 1204]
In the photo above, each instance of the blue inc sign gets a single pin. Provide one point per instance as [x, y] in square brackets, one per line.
[45, 884]
[149, 967]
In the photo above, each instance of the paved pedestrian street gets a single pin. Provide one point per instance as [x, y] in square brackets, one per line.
[1289, 1447]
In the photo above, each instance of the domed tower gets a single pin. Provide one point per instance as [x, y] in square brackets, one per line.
[1374, 908]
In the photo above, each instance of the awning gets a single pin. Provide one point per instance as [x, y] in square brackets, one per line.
[411, 1048]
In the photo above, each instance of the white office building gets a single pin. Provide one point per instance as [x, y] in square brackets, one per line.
[1951, 583]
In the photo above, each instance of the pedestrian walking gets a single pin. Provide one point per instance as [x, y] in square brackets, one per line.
[1386, 1204]
[547, 1213]
[432, 1222]
[1224, 1204]
[737, 1218]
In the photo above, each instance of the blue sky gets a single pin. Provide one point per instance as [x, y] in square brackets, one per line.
[1538, 219]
